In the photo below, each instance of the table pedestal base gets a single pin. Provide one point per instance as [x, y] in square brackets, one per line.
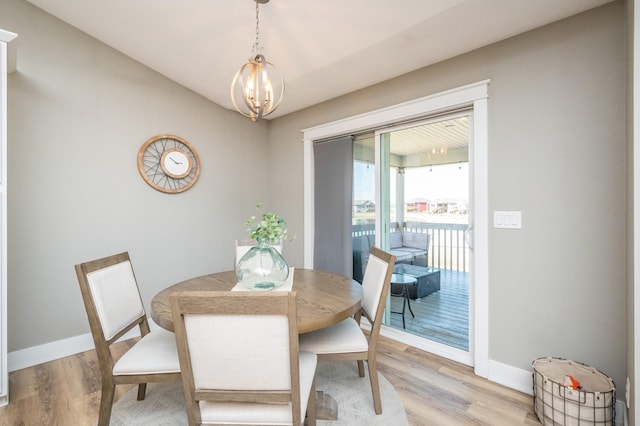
[326, 407]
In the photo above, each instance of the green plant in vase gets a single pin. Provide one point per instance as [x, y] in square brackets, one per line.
[263, 267]
[271, 228]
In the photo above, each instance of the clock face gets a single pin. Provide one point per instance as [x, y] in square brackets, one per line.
[175, 163]
[168, 163]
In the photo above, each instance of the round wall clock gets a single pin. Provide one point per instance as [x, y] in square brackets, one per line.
[168, 163]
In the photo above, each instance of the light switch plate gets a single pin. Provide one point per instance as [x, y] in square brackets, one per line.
[507, 219]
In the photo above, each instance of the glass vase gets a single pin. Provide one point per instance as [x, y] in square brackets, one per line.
[262, 268]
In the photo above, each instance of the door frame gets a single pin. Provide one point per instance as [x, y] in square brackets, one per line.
[8, 52]
[474, 95]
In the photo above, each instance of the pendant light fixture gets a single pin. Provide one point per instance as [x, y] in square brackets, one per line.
[252, 91]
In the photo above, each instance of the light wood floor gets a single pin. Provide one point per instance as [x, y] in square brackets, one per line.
[434, 391]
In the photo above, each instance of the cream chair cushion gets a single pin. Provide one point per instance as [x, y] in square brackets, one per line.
[344, 337]
[155, 353]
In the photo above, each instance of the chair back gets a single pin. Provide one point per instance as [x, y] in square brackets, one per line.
[111, 296]
[237, 347]
[375, 286]
[243, 246]
[114, 306]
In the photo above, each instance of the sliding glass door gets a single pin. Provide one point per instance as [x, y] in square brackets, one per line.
[411, 198]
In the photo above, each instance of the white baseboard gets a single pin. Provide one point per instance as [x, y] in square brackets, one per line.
[426, 345]
[512, 377]
[40, 354]
[35, 355]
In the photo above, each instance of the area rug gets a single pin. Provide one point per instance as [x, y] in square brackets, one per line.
[164, 403]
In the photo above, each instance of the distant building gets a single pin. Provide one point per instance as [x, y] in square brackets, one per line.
[448, 206]
[441, 206]
[418, 205]
[364, 206]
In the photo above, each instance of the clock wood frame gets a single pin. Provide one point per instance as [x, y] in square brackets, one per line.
[151, 155]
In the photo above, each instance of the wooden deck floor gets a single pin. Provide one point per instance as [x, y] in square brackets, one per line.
[442, 316]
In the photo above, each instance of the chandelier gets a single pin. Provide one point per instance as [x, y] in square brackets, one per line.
[437, 152]
[252, 91]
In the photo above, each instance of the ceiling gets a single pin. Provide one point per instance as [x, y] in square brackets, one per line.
[324, 48]
[439, 141]
[432, 138]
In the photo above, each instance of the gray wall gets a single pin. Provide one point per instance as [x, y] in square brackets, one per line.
[78, 113]
[557, 153]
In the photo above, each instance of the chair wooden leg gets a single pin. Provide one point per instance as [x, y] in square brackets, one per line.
[106, 401]
[375, 385]
[142, 390]
[361, 368]
[311, 405]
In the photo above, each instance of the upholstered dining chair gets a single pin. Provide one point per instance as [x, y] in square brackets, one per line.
[240, 359]
[346, 341]
[243, 246]
[113, 304]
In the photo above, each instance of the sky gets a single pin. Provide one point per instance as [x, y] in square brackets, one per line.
[430, 182]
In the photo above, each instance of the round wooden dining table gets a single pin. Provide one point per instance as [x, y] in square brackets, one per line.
[322, 298]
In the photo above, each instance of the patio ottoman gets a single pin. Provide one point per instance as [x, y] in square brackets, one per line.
[428, 279]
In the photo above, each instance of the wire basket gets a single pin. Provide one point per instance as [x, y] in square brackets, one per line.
[559, 405]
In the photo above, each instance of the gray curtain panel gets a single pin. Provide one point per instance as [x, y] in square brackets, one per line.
[333, 162]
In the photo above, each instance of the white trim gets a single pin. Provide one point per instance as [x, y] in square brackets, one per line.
[49, 351]
[479, 290]
[12, 49]
[4, 373]
[7, 36]
[475, 94]
[309, 204]
[512, 377]
[8, 53]
[445, 351]
[635, 133]
[61, 348]
[442, 101]
[377, 187]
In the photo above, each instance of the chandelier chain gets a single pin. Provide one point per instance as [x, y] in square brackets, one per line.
[258, 86]
[256, 44]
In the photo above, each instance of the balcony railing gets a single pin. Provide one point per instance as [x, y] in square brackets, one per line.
[448, 248]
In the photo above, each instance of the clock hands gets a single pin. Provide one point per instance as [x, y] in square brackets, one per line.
[176, 162]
